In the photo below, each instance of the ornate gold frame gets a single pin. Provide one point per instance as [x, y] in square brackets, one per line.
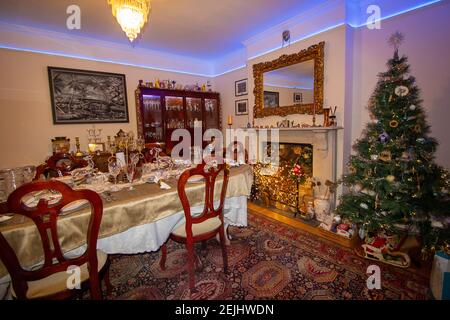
[316, 53]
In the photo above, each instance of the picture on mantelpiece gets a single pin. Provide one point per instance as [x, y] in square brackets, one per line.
[271, 99]
[241, 107]
[298, 97]
[82, 96]
[240, 87]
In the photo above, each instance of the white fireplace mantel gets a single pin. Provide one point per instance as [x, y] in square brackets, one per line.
[324, 142]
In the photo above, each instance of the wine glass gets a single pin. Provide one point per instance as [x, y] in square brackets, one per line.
[29, 172]
[114, 170]
[130, 170]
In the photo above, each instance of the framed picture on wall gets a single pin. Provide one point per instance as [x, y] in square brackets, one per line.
[241, 107]
[271, 99]
[82, 96]
[240, 88]
[298, 97]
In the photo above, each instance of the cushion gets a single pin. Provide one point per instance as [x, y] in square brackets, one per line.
[199, 228]
[57, 282]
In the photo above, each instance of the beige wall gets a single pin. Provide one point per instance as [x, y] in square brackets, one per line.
[26, 123]
[225, 85]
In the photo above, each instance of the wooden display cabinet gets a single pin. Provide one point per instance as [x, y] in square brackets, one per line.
[161, 111]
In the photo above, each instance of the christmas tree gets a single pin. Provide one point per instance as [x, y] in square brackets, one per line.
[394, 185]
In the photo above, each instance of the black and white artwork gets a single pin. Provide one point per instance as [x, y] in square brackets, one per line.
[240, 88]
[81, 96]
[298, 97]
[271, 99]
[241, 107]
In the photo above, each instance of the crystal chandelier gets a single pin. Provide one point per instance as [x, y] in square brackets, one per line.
[131, 15]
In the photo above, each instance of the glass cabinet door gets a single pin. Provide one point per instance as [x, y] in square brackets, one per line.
[152, 118]
[174, 113]
[174, 118]
[211, 114]
[193, 112]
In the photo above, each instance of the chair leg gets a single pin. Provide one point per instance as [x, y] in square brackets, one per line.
[162, 262]
[191, 265]
[96, 293]
[224, 249]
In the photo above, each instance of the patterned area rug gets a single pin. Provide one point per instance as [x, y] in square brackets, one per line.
[267, 260]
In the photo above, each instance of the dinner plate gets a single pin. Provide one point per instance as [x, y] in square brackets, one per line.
[74, 206]
[31, 199]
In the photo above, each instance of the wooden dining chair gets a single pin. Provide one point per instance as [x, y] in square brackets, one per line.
[49, 280]
[203, 226]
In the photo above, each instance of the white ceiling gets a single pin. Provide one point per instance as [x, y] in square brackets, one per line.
[206, 29]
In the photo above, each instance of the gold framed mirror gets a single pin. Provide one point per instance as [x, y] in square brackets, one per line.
[291, 84]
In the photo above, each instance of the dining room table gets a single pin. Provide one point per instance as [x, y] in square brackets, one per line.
[134, 221]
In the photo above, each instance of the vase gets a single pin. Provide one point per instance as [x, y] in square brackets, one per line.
[322, 208]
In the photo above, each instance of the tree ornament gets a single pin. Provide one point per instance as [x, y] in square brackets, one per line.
[420, 140]
[362, 233]
[412, 107]
[386, 156]
[406, 156]
[383, 138]
[357, 187]
[391, 98]
[390, 178]
[401, 91]
[351, 169]
[374, 157]
[417, 128]
[364, 206]
[396, 40]
[393, 123]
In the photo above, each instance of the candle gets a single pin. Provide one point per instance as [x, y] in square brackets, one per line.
[230, 120]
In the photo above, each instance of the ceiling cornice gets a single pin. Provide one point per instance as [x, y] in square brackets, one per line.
[321, 18]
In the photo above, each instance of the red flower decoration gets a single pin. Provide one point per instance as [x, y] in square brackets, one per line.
[297, 170]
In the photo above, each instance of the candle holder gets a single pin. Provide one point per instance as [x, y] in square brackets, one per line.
[78, 153]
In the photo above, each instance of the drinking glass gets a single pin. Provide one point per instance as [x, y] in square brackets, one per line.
[114, 170]
[130, 169]
[28, 172]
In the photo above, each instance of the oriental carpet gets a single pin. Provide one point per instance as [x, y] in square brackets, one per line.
[267, 260]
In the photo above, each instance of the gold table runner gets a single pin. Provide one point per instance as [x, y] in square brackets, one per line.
[146, 204]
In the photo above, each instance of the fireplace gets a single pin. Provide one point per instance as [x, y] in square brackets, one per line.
[275, 183]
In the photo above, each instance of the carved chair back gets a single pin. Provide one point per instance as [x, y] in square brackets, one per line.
[210, 173]
[45, 217]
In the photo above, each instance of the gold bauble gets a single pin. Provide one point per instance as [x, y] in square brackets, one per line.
[393, 123]
[386, 156]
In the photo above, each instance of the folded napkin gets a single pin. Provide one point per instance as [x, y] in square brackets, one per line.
[164, 185]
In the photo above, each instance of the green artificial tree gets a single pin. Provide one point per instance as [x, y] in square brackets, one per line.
[394, 185]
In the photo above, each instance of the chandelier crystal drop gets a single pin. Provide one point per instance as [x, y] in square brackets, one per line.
[131, 15]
